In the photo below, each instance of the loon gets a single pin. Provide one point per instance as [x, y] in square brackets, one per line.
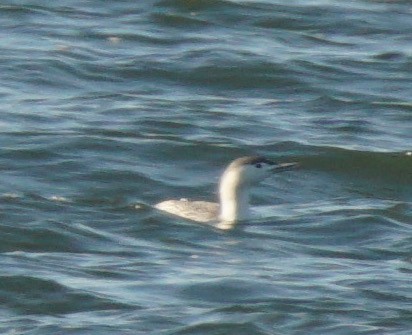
[234, 190]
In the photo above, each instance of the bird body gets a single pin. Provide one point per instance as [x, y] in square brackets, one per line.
[200, 211]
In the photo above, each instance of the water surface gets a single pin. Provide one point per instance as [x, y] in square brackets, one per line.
[109, 107]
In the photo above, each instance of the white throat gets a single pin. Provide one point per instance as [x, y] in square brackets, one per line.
[234, 197]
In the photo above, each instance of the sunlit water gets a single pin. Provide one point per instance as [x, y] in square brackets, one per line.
[109, 107]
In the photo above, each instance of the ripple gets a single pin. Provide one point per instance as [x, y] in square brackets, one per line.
[28, 294]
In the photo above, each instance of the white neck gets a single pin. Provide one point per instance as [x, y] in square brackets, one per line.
[234, 198]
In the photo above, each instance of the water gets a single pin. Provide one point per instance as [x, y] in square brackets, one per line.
[109, 107]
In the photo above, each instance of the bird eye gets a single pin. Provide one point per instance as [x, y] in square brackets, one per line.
[258, 165]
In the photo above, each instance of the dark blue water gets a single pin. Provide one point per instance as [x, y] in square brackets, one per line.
[109, 107]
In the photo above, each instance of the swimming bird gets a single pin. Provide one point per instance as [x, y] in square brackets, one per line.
[234, 192]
